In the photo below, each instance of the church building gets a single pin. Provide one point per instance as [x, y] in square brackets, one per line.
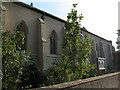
[44, 34]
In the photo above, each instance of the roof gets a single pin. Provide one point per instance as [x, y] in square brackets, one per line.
[39, 11]
[84, 29]
[52, 16]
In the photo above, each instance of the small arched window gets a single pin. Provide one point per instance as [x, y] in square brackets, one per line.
[53, 43]
[21, 27]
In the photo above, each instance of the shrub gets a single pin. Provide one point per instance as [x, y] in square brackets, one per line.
[18, 68]
[30, 77]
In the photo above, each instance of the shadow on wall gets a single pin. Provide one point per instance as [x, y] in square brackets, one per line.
[116, 60]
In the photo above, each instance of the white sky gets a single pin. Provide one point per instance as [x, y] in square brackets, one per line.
[100, 16]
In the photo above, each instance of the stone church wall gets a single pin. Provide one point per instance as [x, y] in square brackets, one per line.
[39, 31]
[14, 14]
[106, 50]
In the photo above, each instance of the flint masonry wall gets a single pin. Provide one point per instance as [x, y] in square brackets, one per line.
[105, 81]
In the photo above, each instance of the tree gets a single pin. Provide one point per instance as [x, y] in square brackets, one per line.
[19, 70]
[12, 59]
[76, 48]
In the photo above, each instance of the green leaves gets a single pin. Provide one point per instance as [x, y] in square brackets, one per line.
[74, 5]
[13, 58]
[76, 49]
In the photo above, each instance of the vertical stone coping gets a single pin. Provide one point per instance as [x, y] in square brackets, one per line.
[78, 82]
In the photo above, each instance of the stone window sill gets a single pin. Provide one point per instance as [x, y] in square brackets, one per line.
[53, 56]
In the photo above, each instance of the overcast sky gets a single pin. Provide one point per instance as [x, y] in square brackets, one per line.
[100, 16]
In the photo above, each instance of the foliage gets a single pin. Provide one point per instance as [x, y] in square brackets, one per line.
[30, 77]
[15, 61]
[55, 75]
[11, 59]
[76, 49]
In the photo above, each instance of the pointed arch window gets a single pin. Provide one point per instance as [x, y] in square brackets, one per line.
[21, 27]
[53, 43]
